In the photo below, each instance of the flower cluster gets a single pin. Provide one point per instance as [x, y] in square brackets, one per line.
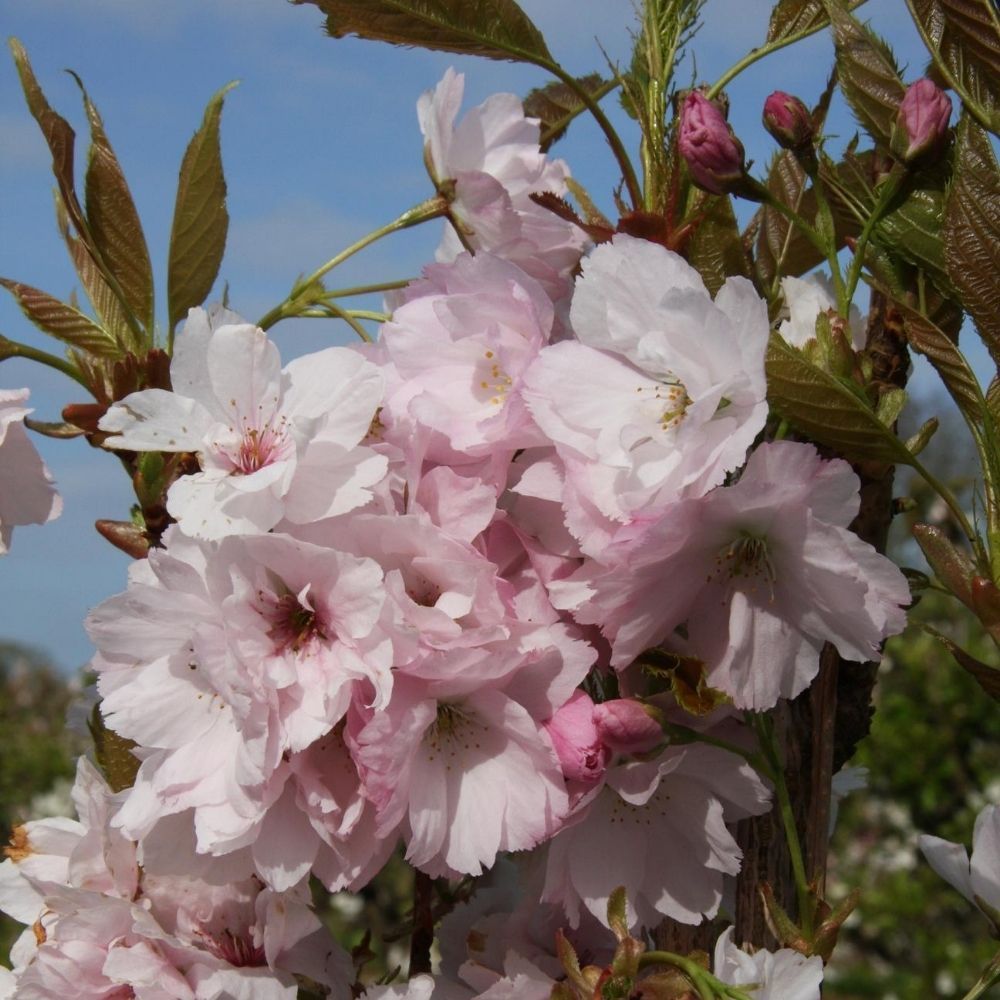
[402, 574]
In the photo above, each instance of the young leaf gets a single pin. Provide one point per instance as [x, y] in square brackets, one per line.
[556, 105]
[972, 231]
[781, 247]
[496, 29]
[987, 676]
[58, 134]
[867, 71]
[794, 17]
[962, 35]
[201, 222]
[113, 753]
[827, 410]
[114, 222]
[715, 249]
[913, 231]
[62, 321]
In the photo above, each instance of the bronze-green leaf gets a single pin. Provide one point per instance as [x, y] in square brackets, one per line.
[972, 231]
[496, 29]
[715, 249]
[113, 753]
[201, 222]
[62, 321]
[114, 223]
[987, 676]
[557, 104]
[795, 17]
[58, 134]
[781, 247]
[962, 35]
[869, 77]
[826, 409]
[912, 230]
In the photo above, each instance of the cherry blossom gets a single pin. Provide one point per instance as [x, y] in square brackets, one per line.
[808, 298]
[272, 443]
[27, 495]
[779, 975]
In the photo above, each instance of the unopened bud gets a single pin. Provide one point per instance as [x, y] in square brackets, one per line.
[713, 154]
[626, 727]
[922, 122]
[788, 120]
[577, 741]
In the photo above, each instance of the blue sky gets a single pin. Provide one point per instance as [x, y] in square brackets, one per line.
[321, 145]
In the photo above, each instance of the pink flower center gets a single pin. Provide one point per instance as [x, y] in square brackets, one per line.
[747, 560]
[259, 447]
[237, 950]
[293, 625]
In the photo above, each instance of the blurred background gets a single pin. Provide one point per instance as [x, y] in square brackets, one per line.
[321, 145]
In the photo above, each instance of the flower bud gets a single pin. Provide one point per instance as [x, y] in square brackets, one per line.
[922, 122]
[788, 120]
[625, 726]
[577, 742]
[712, 152]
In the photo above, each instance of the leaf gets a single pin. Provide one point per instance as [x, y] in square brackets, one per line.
[826, 409]
[954, 567]
[557, 104]
[113, 753]
[934, 344]
[496, 29]
[793, 17]
[62, 321]
[781, 248]
[913, 232]
[987, 676]
[114, 223]
[715, 249]
[972, 231]
[201, 222]
[962, 36]
[869, 77]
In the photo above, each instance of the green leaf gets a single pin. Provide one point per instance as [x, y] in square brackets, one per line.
[869, 77]
[781, 247]
[106, 304]
[972, 231]
[557, 104]
[987, 676]
[201, 222]
[496, 29]
[934, 344]
[114, 223]
[912, 231]
[962, 36]
[826, 409]
[62, 321]
[715, 249]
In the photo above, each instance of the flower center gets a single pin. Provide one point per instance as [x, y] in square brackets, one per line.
[259, 447]
[235, 949]
[294, 624]
[748, 559]
[494, 380]
[668, 401]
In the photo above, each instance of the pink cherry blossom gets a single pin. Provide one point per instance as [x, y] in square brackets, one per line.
[577, 741]
[770, 573]
[27, 495]
[493, 159]
[272, 443]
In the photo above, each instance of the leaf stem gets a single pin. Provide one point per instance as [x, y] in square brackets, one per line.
[989, 978]
[307, 291]
[379, 286]
[14, 349]
[953, 505]
[708, 987]
[890, 187]
[556, 128]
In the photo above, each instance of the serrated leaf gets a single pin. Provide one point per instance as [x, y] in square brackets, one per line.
[781, 247]
[913, 231]
[793, 17]
[496, 29]
[963, 36]
[114, 223]
[972, 231]
[934, 344]
[827, 410]
[62, 321]
[556, 104]
[867, 70]
[113, 753]
[201, 222]
[715, 249]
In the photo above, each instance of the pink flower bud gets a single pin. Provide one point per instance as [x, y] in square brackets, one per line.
[788, 120]
[922, 122]
[582, 755]
[625, 726]
[712, 152]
